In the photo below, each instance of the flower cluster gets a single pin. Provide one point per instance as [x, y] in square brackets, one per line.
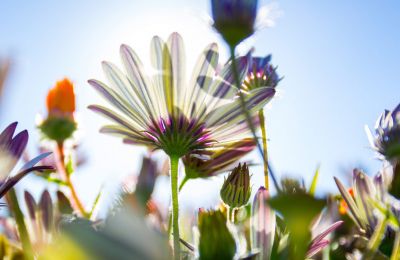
[197, 125]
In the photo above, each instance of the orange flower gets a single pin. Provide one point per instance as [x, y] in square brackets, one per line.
[60, 123]
[61, 98]
[343, 205]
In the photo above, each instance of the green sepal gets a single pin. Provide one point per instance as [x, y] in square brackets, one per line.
[58, 128]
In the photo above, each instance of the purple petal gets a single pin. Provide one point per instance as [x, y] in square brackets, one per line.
[326, 232]
[7, 134]
[11, 181]
[34, 161]
[46, 206]
[30, 204]
[18, 144]
[314, 249]
[263, 224]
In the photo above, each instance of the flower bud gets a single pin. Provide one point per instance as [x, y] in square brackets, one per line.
[217, 161]
[236, 190]
[386, 140]
[262, 225]
[261, 73]
[216, 242]
[234, 19]
[60, 124]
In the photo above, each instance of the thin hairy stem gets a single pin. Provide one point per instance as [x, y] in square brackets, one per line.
[183, 182]
[247, 114]
[175, 205]
[264, 142]
[76, 201]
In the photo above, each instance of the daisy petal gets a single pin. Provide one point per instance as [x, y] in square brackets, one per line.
[233, 112]
[117, 101]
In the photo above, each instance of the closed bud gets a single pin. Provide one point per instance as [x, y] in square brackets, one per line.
[216, 242]
[217, 161]
[236, 190]
[234, 19]
[60, 124]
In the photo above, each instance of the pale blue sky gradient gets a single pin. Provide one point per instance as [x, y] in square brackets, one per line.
[339, 61]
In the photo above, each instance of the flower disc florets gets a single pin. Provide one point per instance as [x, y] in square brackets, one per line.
[178, 136]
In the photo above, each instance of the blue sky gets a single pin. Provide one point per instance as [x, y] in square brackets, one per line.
[339, 61]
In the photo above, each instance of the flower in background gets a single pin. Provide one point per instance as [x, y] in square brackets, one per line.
[343, 207]
[11, 149]
[146, 180]
[260, 74]
[216, 241]
[387, 135]
[60, 124]
[217, 161]
[42, 219]
[361, 199]
[4, 70]
[234, 19]
[236, 190]
[320, 241]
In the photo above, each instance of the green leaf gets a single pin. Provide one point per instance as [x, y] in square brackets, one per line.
[21, 226]
[63, 204]
[313, 186]
[298, 211]
[394, 188]
[57, 181]
[96, 201]
[376, 239]
[69, 167]
[48, 176]
[396, 247]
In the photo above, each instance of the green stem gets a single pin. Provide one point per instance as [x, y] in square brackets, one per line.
[396, 248]
[169, 222]
[264, 142]
[376, 239]
[170, 213]
[183, 183]
[228, 214]
[246, 112]
[77, 202]
[19, 219]
[233, 215]
[175, 205]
